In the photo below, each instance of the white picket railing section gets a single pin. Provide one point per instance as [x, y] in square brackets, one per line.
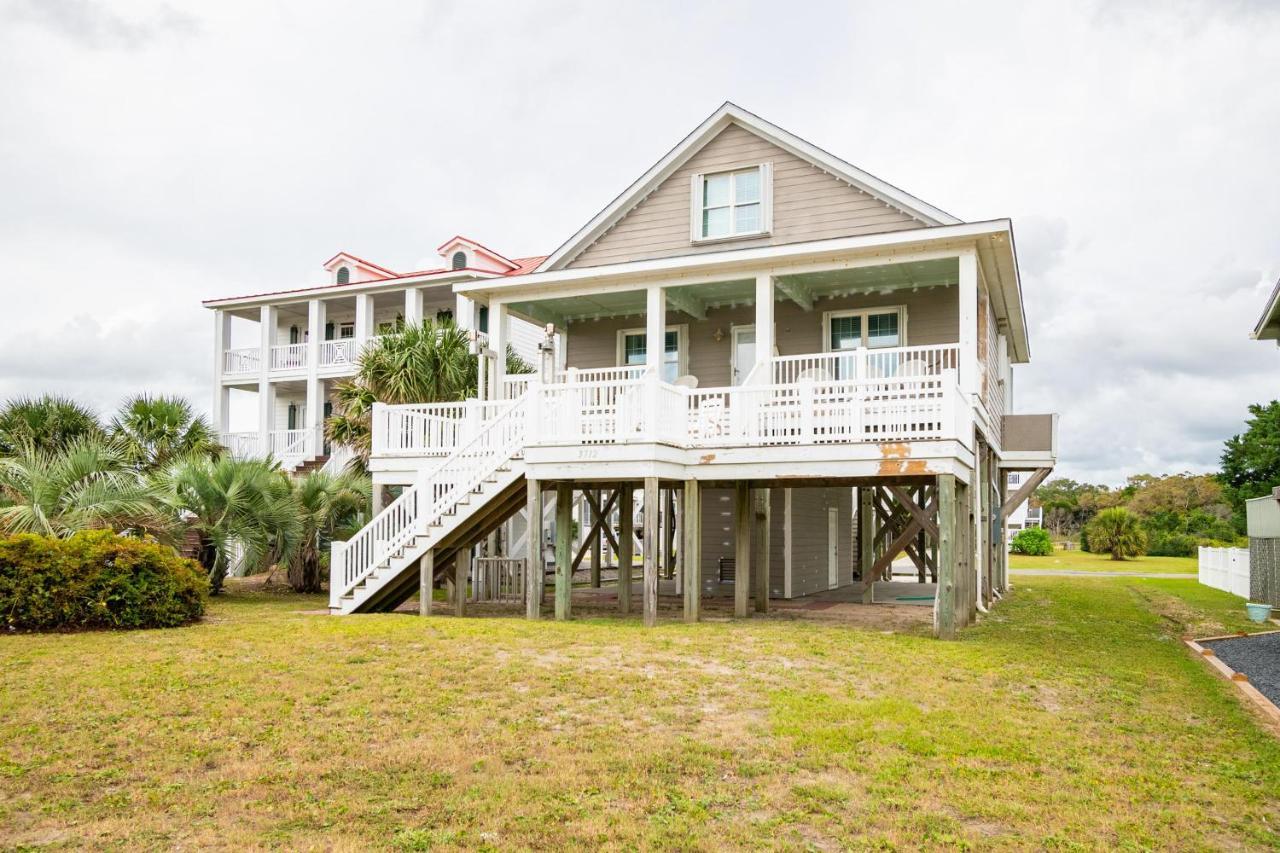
[243, 360]
[289, 445]
[1226, 569]
[438, 491]
[340, 456]
[289, 357]
[515, 385]
[498, 579]
[339, 353]
[242, 445]
[864, 364]
[430, 429]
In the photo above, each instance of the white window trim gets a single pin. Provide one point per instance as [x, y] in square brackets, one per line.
[682, 346]
[766, 205]
[828, 316]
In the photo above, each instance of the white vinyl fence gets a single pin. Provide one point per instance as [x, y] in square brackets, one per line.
[1226, 569]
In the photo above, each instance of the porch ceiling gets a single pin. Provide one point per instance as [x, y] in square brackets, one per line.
[801, 287]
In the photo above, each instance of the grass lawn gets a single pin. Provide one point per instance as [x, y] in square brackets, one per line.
[1083, 561]
[1070, 718]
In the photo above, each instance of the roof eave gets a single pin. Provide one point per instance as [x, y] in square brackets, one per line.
[448, 277]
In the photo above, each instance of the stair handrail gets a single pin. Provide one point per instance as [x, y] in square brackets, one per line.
[410, 514]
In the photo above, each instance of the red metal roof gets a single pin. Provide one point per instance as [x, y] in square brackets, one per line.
[360, 260]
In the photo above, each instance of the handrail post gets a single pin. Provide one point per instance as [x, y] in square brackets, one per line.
[380, 424]
[335, 573]
[653, 400]
[533, 424]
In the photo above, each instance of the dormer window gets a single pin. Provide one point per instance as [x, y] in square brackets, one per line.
[344, 275]
[732, 204]
[459, 260]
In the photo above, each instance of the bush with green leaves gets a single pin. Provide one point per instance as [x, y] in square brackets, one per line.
[1033, 541]
[96, 579]
[1118, 532]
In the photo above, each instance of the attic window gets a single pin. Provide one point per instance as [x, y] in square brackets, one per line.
[344, 275]
[459, 260]
[731, 204]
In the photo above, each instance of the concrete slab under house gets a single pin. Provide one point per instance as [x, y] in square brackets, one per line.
[763, 378]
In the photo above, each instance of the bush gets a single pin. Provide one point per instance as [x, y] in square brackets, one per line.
[1118, 532]
[96, 579]
[1033, 541]
[1173, 545]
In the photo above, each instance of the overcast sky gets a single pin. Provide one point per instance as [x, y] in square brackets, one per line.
[155, 154]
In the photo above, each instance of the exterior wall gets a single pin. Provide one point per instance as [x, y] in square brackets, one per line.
[932, 318]
[808, 204]
[1027, 433]
[808, 537]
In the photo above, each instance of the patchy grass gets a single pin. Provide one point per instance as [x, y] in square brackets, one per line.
[1083, 561]
[1070, 718]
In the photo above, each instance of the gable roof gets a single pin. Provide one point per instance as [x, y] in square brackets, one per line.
[1268, 328]
[730, 113]
[361, 261]
[458, 239]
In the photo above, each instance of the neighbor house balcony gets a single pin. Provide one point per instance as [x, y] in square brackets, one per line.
[336, 357]
[287, 446]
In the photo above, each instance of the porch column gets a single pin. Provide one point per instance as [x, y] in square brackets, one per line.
[652, 546]
[464, 313]
[655, 338]
[760, 584]
[221, 395]
[533, 551]
[626, 536]
[691, 550]
[944, 606]
[267, 319]
[461, 571]
[742, 548]
[412, 306]
[866, 541]
[968, 295]
[564, 550]
[499, 335]
[364, 319]
[764, 319]
[314, 423]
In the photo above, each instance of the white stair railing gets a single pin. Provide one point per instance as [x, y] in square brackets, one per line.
[437, 493]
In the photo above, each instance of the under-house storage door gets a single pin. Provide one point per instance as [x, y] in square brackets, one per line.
[833, 547]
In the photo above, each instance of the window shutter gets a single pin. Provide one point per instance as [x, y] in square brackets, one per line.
[293, 416]
[695, 209]
[328, 331]
[293, 334]
[766, 197]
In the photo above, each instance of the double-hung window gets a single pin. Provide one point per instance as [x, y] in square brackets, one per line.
[731, 204]
[633, 350]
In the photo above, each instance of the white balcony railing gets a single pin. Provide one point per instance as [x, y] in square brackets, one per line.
[340, 353]
[289, 445]
[244, 360]
[863, 364]
[242, 445]
[289, 357]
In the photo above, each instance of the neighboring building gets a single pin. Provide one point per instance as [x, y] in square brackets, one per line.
[293, 369]
[1025, 515]
[804, 370]
[1268, 328]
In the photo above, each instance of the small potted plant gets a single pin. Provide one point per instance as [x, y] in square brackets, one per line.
[1258, 612]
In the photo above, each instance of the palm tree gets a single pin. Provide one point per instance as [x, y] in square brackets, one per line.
[428, 363]
[230, 503]
[1118, 531]
[83, 485]
[47, 422]
[153, 431]
[326, 503]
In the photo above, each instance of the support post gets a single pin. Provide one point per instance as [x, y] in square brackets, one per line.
[314, 423]
[461, 573]
[760, 584]
[967, 293]
[764, 319]
[267, 318]
[655, 339]
[691, 550]
[944, 605]
[499, 337]
[626, 538]
[742, 548]
[412, 307]
[866, 542]
[652, 547]
[564, 550]
[533, 551]
[426, 576]
[597, 541]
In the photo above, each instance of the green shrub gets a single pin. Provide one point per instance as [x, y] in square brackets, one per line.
[1033, 541]
[96, 579]
[1118, 532]
[1173, 545]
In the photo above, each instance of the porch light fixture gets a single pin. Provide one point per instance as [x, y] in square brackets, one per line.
[717, 335]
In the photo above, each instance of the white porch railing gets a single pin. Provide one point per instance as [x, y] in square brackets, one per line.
[242, 445]
[339, 353]
[430, 429]
[289, 357]
[514, 385]
[289, 445]
[865, 364]
[243, 360]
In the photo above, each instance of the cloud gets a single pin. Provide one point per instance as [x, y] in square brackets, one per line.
[151, 160]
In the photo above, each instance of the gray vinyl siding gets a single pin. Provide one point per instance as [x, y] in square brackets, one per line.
[808, 204]
[933, 317]
[808, 537]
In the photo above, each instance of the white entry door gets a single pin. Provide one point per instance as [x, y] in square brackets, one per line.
[833, 547]
[744, 352]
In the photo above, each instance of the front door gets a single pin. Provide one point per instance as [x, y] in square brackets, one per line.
[833, 547]
[744, 352]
